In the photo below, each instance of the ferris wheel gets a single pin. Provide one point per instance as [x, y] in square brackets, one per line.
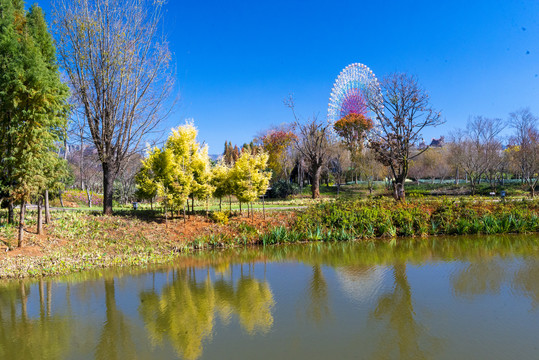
[353, 91]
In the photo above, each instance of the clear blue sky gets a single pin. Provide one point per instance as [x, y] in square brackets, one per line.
[237, 60]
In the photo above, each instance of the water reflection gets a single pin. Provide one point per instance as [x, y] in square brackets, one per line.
[184, 312]
[24, 337]
[361, 283]
[526, 280]
[404, 337]
[115, 340]
[214, 304]
[318, 308]
[485, 276]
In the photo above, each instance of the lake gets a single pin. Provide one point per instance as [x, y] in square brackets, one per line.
[436, 298]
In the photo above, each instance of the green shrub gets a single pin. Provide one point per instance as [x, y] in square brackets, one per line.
[283, 189]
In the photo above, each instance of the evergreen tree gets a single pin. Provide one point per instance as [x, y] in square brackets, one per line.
[32, 104]
[10, 68]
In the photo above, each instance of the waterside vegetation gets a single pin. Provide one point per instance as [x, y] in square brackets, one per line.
[78, 241]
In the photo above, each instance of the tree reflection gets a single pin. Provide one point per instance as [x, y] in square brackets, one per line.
[403, 335]
[185, 310]
[115, 341]
[183, 314]
[488, 276]
[526, 280]
[254, 303]
[23, 337]
[318, 308]
[478, 278]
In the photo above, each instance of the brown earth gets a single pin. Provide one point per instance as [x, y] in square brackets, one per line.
[174, 233]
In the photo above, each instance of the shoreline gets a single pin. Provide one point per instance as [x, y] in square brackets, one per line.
[81, 241]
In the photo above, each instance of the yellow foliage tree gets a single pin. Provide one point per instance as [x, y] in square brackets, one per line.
[249, 177]
[178, 171]
[194, 158]
[221, 181]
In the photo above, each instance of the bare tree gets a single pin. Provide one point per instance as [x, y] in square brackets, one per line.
[339, 163]
[477, 151]
[313, 143]
[524, 146]
[87, 170]
[125, 182]
[402, 113]
[371, 169]
[432, 164]
[118, 66]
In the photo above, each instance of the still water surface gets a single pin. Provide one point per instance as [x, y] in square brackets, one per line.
[454, 298]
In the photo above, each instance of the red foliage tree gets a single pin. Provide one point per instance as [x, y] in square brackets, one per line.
[276, 143]
[352, 129]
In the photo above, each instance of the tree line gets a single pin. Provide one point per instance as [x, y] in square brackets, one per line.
[119, 86]
[181, 171]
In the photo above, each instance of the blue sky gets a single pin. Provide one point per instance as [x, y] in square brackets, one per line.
[237, 60]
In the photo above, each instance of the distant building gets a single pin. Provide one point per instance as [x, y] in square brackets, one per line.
[437, 143]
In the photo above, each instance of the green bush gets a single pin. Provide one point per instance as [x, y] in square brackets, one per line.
[283, 189]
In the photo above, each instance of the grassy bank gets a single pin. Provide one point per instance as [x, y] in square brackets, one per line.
[82, 240]
[77, 241]
[385, 218]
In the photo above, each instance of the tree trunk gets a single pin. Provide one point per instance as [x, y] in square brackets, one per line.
[220, 201]
[60, 197]
[81, 159]
[107, 189]
[21, 223]
[398, 190]
[47, 208]
[315, 182]
[193, 204]
[39, 215]
[166, 217]
[10, 213]
[89, 197]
